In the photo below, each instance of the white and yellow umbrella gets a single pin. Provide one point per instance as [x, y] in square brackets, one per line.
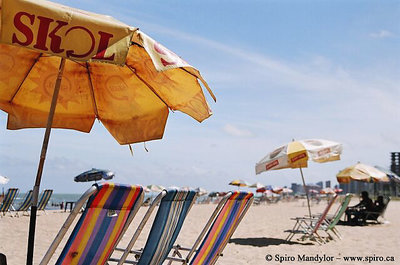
[361, 172]
[239, 183]
[296, 155]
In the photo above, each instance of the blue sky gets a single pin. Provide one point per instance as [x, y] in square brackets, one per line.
[280, 70]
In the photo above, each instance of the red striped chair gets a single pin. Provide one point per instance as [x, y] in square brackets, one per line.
[108, 213]
[217, 232]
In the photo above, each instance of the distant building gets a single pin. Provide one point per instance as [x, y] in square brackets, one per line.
[327, 184]
[320, 184]
[395, 163]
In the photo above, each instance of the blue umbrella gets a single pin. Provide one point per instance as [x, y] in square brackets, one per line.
[94, 175]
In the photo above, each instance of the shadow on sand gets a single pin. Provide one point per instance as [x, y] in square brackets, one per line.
[264, 242]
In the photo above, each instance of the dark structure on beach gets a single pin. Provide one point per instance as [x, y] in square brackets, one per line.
[395, 165]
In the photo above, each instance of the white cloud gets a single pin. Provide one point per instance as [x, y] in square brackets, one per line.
[381, 34]
[235, 131]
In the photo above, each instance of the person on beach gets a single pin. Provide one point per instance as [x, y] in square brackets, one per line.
[357, 212]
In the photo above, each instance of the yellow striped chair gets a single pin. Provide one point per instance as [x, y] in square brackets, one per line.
[218, 230]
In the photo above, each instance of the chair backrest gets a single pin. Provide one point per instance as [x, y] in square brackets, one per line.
[225, 219]
[324, 213]
[341, 211]
[26, 203]
[8, 199]
[44, 199]
[106, 216]
[385, 207]
[167, 224]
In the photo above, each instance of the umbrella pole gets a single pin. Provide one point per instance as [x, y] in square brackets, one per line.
[304, 185]
[35, 195]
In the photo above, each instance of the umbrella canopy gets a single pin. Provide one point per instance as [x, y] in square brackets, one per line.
[155, 188]
[296, 155]
[63, 68]
[338, 190]
[389, 173]
[277, 190]
[94, 175]
[4, 180]
[263, 189]
[287, 190]
[327, 191]
[257, 185]
[361, 172]
[239, 183]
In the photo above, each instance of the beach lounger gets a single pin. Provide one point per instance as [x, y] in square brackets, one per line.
[44, 199]
[26, 204]
[308, 226]
[173, 209]
[217, 232]
[374, 215]
[8, 200]
[108, 213]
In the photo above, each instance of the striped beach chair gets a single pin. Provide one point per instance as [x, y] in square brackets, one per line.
[108, 213]
[308, 227]
[44, 200]
[173, 209]
[24, 206]
[217, 232]
[8, 200]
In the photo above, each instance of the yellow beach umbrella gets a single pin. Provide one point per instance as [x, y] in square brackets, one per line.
[296, 154]
[63, 68]
[361, 172]
[239, 183]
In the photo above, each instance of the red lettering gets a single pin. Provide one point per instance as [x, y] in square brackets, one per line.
[103, 45]
[42, 33]
[71, 53]
[24, 29]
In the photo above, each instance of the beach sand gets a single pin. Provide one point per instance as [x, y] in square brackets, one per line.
[261, 233]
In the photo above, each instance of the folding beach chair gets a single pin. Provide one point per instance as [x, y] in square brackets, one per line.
[374, 215]
[308, 226]
[173, 209]
[24, 206]
[108, 213]
[8, 200]
[44, 199]
[330, 223]
[217, 232]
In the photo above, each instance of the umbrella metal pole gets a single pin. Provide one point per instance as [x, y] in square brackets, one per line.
[35, 195]
[304, 185]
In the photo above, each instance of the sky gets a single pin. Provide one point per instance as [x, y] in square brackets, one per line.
[280, 70]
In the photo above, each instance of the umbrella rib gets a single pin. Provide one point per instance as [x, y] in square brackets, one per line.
[203, 81]
[147, 84]
[30, 69]
[92, 91]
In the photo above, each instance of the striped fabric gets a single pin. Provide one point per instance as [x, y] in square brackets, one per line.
[167, 224]
[8, 200]
[26, 203]
[101, 225]
[221, 229]
[44, 199]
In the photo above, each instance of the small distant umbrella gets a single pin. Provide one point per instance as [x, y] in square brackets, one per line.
[337, 190]
[277, 190]
[94, 175]
[239, 183]
[155, 188]
[261, 190]
[312, 191]
[327, 191]
[257, 185]
[287, 190]
[4, 180]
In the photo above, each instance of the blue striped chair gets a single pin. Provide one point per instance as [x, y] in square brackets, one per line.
[108, 213]
[173, 209]
[44, 199]
[24, 206]
[8, 200]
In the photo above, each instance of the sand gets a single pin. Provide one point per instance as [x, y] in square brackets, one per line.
[261, 233]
